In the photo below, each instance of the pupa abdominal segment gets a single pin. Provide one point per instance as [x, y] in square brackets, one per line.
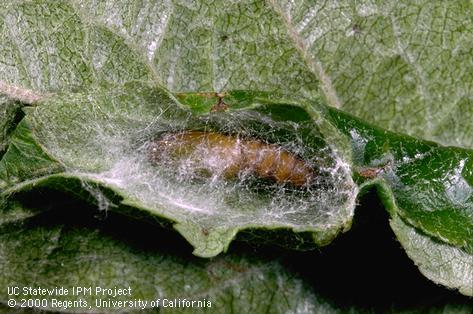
[229, 156]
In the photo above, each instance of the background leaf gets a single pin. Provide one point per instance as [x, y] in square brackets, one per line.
[403, 66]
[48, 251]
[63, 244]
[8, 114]
[412, 62]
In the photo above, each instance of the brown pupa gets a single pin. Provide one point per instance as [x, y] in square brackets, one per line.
[230, 156]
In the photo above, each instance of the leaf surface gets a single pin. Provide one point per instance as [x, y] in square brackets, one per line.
[412, 63]
[8, 114]
[404, 67]
[113, 163]
[440, 262]
[103, 137]
[37, 253]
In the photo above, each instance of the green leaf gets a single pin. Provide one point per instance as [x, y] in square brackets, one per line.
[428, 185]
[42, 252]
[431, 185]
[403, 67]
[112, 162]
[8, 114]
[67, 247]
[427, 188]
[102, 137]
[25, 159]
[411, 62]
[70, 51]
[202, 47]
[440, 262]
